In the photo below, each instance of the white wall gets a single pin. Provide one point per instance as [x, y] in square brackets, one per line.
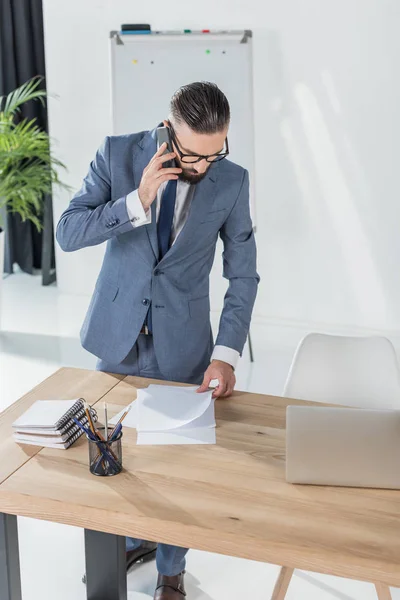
[327, 98]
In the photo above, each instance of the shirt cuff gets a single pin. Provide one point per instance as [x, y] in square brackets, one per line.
[136, 212]
[228, 355]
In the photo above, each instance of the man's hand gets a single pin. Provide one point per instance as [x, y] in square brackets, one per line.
[154, 175]
[226, 379]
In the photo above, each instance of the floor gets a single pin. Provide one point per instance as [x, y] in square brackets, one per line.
[38, 334]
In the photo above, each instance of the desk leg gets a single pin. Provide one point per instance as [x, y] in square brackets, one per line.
[105, 566]
[10, 580]
[383, 591]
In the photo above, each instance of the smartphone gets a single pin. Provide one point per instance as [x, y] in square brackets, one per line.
[163, 135]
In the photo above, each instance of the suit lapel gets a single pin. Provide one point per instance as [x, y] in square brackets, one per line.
[202, 201]
[146, 149]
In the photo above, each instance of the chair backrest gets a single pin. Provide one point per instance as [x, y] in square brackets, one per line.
[354, 371]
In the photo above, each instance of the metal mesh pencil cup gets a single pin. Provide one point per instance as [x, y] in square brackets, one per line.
[105, 458]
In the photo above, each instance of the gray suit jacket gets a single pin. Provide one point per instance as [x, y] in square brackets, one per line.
[178, 286]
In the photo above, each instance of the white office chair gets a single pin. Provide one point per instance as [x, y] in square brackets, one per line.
[353, 371]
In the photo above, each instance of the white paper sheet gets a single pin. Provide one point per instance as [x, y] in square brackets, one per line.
[173, 387]
[201, 435]
[163, 408]
[164, 414]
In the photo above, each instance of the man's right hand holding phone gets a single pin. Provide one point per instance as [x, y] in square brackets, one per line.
[154, 175]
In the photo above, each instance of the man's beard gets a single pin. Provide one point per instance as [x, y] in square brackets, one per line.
[190, 176]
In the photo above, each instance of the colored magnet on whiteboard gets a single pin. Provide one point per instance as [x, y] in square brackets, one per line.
[208, 51]
[135, 61]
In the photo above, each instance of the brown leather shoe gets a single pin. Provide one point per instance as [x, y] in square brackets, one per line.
[143, 554]
[170, 588]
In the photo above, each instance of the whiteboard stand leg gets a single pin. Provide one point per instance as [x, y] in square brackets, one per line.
[250, 348]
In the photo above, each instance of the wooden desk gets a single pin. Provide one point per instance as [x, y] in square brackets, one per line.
[231, 498]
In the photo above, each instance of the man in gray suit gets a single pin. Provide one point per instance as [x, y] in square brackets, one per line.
[150, 312]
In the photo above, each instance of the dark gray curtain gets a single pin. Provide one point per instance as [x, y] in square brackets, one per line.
[21, 58]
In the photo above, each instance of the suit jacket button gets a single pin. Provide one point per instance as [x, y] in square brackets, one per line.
[146, 301]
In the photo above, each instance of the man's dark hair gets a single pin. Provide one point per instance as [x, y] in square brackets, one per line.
[202, 106]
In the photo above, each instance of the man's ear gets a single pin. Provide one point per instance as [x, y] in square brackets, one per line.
[166, 123]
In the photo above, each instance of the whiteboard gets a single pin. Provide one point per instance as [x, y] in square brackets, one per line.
[147, 69]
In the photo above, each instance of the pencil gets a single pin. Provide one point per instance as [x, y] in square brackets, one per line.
[89, 418]
[106, 420]
[121, 419]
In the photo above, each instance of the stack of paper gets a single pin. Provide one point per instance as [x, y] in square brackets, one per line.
[165, 414]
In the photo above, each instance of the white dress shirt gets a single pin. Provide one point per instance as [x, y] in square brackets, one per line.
[138, 217]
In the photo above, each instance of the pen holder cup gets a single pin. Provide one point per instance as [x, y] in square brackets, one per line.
[105, 458]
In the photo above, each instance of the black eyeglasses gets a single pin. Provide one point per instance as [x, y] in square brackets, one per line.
[194, 158]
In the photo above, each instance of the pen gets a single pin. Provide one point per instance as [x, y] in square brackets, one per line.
[116, 432]
[84, 429]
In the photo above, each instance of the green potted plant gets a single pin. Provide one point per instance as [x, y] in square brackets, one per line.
[27, 167]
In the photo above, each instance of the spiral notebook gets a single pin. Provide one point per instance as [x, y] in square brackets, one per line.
[50, 423]
[45, 443]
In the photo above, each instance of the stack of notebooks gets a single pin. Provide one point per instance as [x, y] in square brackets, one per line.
[50, 423]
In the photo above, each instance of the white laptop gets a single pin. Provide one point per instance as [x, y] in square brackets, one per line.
[343, 447]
